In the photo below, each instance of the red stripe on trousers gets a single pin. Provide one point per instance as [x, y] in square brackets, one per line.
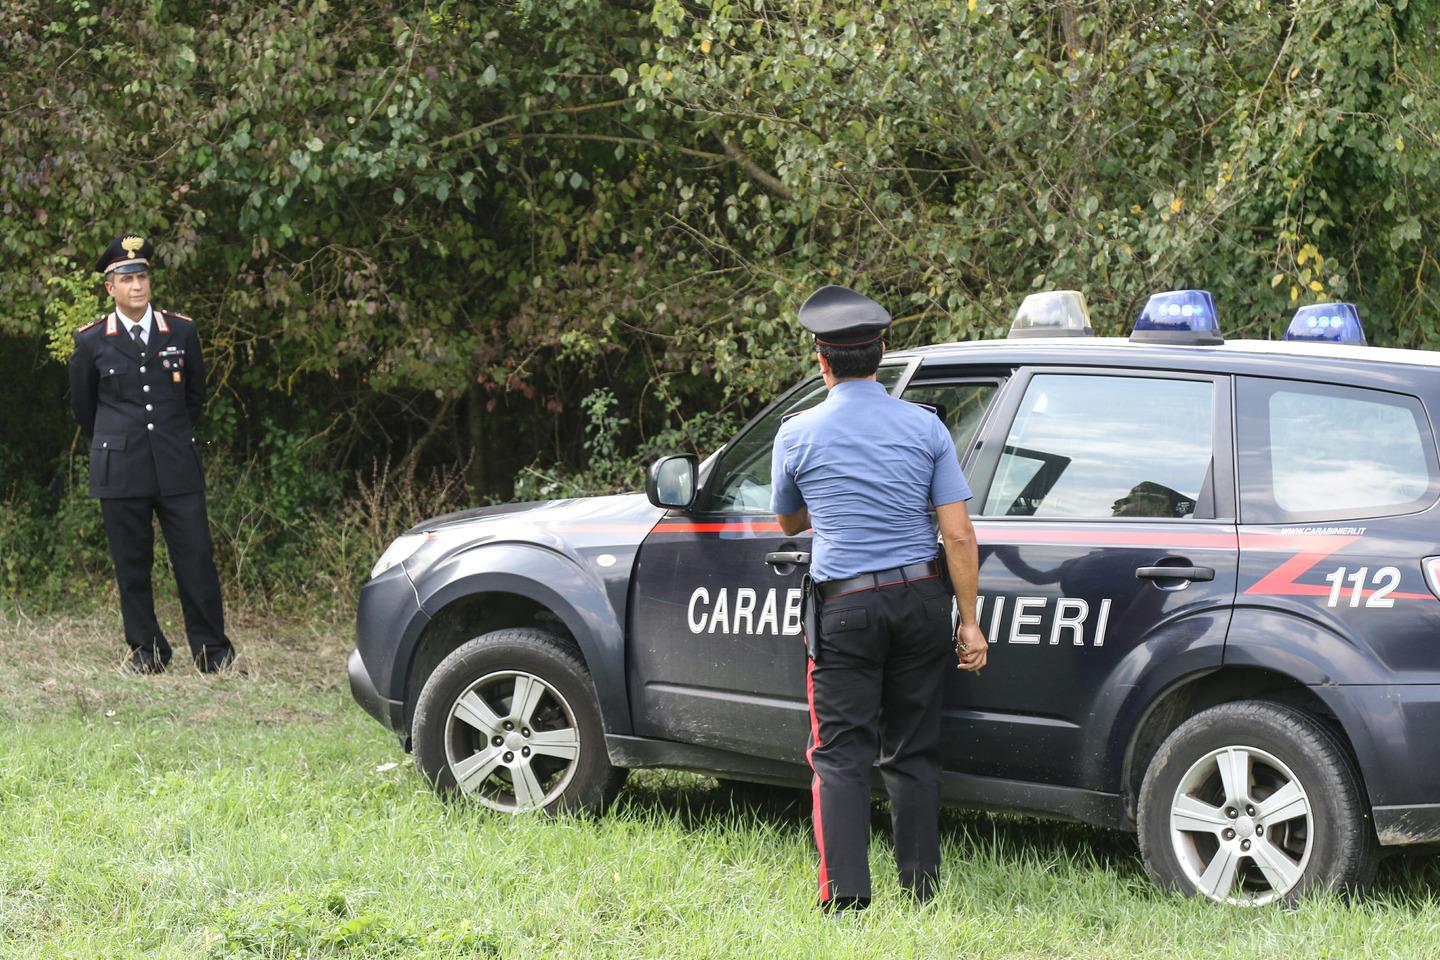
[815, 781]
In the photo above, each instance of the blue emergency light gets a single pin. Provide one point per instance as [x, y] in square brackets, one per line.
[1054, 313]
[1327, 323]
[1178, 316]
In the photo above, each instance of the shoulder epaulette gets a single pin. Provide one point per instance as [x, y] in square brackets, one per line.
[179, 316]
[793, 413]
[925, 406]
[92, 323]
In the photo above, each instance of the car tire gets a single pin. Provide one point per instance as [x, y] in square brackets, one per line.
[1255, 802]
[510, 720]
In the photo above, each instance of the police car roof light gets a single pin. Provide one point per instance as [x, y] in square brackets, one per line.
[1179, 316]
[1054, 313]
[1327, 323]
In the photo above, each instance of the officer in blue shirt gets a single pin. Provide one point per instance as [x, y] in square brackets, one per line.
[865, 469]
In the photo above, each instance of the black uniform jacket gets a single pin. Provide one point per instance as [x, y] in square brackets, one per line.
[140, 416]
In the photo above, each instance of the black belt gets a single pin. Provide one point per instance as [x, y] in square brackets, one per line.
[879, 578]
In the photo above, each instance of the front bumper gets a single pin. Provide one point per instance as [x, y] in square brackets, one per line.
[362, 688]
[388, 623]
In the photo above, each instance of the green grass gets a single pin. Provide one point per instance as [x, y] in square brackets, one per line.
[267, 816]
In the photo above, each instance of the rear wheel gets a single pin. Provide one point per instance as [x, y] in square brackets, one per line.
[510, 721]
[1253, 802]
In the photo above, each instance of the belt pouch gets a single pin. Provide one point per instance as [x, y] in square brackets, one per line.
[810, 616]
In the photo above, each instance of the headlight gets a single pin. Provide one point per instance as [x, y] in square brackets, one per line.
[398, 552]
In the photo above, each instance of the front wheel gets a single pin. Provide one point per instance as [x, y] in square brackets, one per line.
[510, 721]
[1253, 802]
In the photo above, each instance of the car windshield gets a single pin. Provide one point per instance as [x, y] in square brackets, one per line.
[741, 483]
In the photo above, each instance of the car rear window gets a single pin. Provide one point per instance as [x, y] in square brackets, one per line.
[1314, 452]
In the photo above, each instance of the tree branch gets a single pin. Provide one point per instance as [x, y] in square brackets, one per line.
[767, 180]
[579, 108]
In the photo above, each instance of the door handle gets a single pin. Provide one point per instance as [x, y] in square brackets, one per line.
[787, 556]
[1204, 574]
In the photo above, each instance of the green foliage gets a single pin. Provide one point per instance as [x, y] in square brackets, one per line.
[949, 160]
[541, 197]
[325, 923]
[296, 479]
[284, 537]
[427, 235]
[69, 305]
[607, 469]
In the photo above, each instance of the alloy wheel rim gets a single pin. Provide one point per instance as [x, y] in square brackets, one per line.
[511, 742]
[1242, 826]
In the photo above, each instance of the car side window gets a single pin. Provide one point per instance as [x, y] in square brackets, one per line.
[741, 480]
[1090, 447]
[1312, 451]
[960, 406]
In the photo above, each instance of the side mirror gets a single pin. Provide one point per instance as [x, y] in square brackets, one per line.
[671, 481]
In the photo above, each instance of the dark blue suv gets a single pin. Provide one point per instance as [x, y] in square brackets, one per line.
[1208, 577]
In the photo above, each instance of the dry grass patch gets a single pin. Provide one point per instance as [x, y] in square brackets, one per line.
[74, 665]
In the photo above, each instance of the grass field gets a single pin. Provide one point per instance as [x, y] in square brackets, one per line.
[267, 816]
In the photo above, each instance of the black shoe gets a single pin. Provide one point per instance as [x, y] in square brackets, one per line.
[920, 886]
[144, 661]
[222, 662]
[837, 906]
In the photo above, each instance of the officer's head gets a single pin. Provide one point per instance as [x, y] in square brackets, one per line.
[849, 330]
[126, 266]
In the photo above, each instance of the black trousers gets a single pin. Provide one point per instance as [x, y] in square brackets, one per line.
[129, 529]
[877, 687]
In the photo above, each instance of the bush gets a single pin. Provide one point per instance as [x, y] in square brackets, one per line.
[312, 545]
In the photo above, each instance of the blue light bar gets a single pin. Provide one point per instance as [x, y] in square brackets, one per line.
[1327, 323]
[1178, 316]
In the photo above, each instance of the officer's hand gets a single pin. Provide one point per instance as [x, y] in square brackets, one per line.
[971, 647]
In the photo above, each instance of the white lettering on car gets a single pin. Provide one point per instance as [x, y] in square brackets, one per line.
[720, 613]
[724, 615]
[701, 595]
[745, 610]
[994, 630]
[1104, 622]
[727, 615]
[768, 615]
[1024, 618]
[1073, 622]
[1070, 614]
[1379, 598]
[792, 612]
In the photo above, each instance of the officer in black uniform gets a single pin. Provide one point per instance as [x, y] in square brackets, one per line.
[137, 386]
[865, 470]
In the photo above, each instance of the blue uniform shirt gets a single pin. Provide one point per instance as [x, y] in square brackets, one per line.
[869, 467]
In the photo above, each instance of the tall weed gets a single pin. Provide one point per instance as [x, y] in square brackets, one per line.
[289, 536]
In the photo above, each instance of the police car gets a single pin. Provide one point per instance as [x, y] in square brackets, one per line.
[1209, 578]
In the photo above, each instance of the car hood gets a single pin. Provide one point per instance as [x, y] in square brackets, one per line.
[584, 522]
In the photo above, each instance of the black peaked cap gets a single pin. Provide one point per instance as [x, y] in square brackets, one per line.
[840, 317]
[130, 252]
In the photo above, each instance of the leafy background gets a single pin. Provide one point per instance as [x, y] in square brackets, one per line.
[460, 252]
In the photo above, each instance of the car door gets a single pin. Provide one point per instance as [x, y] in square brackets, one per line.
[715, 655]
[1104, 511]
[1335, 484]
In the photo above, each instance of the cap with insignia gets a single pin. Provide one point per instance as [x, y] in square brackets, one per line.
[840, 317]
[127, 253]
